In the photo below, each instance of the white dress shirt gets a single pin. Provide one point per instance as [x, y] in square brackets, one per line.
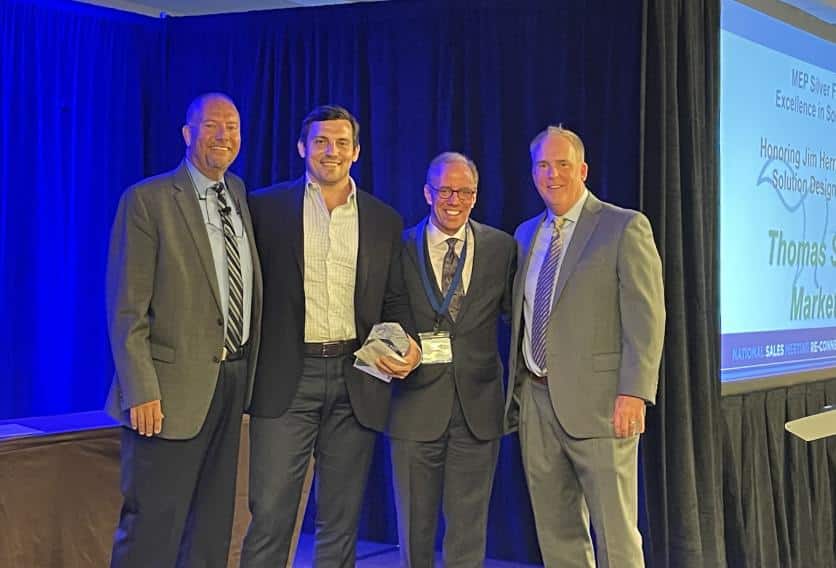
[437, 245]
[208, 201]
[331, 241]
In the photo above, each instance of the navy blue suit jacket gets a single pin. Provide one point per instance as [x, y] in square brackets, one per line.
[379, 295]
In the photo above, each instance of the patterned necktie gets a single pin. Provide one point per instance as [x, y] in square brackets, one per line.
[448, 270]
[235, 311]
[543, 295]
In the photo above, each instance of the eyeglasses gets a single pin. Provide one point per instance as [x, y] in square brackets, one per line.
[212, 215]
[465, 194]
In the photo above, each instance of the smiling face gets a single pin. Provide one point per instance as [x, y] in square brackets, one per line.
[213, 136]
[449, 214]
[329, 151]
[558, 173]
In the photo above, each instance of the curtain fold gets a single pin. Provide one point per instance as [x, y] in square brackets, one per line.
[726, 484]
[783, 487]
[73, 120]
[682, 451]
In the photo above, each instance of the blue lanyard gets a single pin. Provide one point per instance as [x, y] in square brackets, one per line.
[442, 307]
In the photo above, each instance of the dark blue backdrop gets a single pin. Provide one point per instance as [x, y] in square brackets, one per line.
[93, 99]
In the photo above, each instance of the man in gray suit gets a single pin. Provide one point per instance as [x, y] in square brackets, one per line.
[184, 310]
[587, 332]
[446, 418]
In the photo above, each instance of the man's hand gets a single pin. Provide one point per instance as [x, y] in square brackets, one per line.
[399, 370]
[628, 416]
[147, 418]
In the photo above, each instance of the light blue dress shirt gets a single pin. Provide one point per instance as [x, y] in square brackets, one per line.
[208, 201]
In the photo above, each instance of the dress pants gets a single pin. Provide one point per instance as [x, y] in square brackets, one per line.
[572, 480]
[320, 420]
[458, 468]
[179, 495]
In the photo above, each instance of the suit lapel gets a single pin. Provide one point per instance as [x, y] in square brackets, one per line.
[586, 226]
[411, 247]
[526, 242]
[416, 239]
[525, 236]
[296, 223]
[366, 239]
[421, 241]
[187, 202]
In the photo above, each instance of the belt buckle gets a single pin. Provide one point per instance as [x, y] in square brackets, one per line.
[227, 355]
[330, 349]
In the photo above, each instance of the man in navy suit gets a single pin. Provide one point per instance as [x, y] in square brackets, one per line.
[446, 419]
[331, 271]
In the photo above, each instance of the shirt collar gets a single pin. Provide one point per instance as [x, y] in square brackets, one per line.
[574, 212]
[436, 236]
[313, 187]
[200, 181]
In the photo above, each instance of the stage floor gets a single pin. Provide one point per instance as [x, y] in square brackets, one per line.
[379, 555]
[63, 510]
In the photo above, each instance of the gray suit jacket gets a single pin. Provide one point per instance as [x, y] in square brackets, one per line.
[607, 322]
[422, 403]
[164, 313]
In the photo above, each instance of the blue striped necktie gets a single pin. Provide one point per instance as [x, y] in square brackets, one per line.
[543, 295]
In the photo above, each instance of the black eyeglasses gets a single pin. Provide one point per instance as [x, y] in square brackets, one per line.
[465, 194]
[213, 215]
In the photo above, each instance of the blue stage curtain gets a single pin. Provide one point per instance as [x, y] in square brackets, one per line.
[73, 128]
[93, 100]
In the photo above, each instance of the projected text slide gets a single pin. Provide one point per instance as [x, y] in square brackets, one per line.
[778, 183]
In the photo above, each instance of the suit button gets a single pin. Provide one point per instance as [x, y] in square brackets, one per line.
[220, 321]
[215, 359]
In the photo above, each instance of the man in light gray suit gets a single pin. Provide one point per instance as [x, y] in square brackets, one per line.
[587, 332]
[445, 421]
[184, 312]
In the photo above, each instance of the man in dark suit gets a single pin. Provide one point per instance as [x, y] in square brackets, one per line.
[586, 340]
[184, 308]
[446, 419]
[331, 260]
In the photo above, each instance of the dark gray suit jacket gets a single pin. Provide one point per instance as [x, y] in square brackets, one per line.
[378, 296]
[421, 404]
[163, 305]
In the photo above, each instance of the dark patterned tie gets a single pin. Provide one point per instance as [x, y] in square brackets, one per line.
[543, 295]
[448, 270]
[235, 311]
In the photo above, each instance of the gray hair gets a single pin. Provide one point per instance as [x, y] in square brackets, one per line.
[450, 158]
[558, 130]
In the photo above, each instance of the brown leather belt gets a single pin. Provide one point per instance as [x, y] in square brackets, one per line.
[331, 348]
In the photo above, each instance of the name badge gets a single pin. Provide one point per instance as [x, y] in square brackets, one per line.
[436, 347]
